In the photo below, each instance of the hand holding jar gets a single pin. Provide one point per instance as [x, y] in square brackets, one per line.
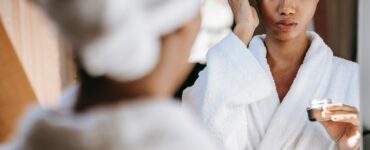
[341, 121]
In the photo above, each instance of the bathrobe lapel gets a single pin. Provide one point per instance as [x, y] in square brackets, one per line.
[290, 118]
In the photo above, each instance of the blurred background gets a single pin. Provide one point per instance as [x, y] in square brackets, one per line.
[35, 65]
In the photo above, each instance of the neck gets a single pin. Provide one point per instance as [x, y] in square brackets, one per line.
[285, 53]
[103, 91]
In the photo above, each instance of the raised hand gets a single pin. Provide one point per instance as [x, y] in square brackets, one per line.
[246, 19]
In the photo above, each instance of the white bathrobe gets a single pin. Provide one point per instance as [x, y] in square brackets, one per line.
[159, 124]
[236, 97]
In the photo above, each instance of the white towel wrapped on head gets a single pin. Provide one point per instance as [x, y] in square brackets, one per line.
[119, 39]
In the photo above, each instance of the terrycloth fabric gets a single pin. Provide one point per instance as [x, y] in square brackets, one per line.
[236, 97]
[148, 125]
[119, 39]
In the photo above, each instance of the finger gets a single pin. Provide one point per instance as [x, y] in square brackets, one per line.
[346, 118]
[341, 106]
[337, 112]
[328, 113]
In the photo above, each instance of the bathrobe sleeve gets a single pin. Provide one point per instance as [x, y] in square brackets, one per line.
[232, 78]
[353, 92]
[352, 95]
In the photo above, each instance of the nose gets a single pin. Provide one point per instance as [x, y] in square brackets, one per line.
[287, 7]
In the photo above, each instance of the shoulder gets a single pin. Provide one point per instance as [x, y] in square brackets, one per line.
[114, 126]
[166, 121]
[345, 80]
[342, 65]
[344, 70]
[32, 129]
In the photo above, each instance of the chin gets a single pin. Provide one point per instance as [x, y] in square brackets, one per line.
[286, 36]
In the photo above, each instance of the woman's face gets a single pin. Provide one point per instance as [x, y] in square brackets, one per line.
[286, 19]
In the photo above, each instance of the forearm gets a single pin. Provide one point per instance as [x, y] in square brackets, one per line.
[244, 32]
[246, 19]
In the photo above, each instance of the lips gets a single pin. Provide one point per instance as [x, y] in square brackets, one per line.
[286, 25]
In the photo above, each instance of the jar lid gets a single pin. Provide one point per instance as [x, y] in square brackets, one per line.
[319, 103]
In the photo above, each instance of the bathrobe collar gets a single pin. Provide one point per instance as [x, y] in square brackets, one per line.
[311, 80]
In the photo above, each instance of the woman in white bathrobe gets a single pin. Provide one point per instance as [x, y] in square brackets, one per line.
[132, 56]
[255, 96]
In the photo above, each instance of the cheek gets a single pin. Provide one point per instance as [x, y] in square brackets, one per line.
[307, 10]
[267, 11]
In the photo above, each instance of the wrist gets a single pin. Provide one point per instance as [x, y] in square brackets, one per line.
[244, 32]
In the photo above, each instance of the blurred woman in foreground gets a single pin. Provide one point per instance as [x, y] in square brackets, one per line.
[131, 57]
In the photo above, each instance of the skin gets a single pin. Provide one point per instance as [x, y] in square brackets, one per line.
[163, 81]
[286, 48]
[287, 43]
